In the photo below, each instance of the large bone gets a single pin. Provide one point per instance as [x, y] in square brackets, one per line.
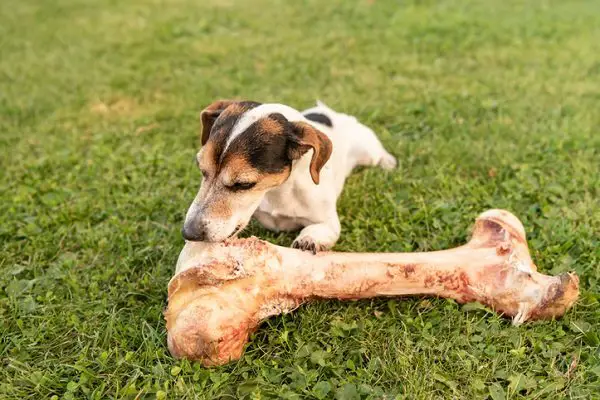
[221, 292]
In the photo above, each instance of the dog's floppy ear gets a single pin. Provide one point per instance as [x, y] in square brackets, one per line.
[306, 137]
[210, 114]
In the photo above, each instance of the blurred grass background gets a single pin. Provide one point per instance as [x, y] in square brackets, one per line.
[485, 103]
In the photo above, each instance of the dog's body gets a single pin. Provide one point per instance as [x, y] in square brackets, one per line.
[302, 186]
[300, 204]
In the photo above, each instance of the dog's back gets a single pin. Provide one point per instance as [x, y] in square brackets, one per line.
[360, 144]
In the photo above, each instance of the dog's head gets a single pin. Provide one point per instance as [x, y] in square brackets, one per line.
[247, 149]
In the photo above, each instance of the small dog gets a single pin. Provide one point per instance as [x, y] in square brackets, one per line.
[284, 167]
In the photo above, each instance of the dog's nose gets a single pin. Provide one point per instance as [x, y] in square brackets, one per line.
[193, 234]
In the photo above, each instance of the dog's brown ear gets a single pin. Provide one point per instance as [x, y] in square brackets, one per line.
[307, 137]
[210, 114]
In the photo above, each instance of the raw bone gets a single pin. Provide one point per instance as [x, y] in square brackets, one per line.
[222, 291]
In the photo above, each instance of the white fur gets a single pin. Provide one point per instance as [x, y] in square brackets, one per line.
[254, 114]
[299, 203]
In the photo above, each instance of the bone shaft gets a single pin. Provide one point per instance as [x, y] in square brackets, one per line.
[354, 276]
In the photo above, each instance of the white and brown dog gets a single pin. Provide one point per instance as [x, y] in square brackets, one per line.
[284, 167]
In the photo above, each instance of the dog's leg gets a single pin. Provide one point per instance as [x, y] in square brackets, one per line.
[366, 149]
[319, 237]
[387, 161]
[266, 220]
[369, 152]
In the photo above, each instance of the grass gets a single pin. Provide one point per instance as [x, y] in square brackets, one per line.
[485, 103]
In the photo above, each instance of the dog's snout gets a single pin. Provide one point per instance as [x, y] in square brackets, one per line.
[194, 231]
[192, 235]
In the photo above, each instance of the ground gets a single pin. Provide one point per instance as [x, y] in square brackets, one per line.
[485, 104]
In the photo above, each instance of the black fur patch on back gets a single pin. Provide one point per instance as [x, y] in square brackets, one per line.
[320, 118]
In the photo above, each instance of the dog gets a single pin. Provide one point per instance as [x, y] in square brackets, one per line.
[284, 167]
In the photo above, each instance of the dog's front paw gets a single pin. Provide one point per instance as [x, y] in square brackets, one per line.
[388, 162]
[317, 237]
[308, 244]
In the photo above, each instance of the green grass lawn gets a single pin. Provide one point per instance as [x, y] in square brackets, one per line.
[485, 103]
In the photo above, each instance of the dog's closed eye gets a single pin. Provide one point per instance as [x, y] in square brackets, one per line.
[239, 186]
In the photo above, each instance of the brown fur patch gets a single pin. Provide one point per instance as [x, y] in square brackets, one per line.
[322, 147]
[235, 165]
[270, 126]
[237, 168]
[228, 112]
[234, 110]
[206, 161]
[220, 208]
[270, 180]
[230, 108]
[219, 105]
